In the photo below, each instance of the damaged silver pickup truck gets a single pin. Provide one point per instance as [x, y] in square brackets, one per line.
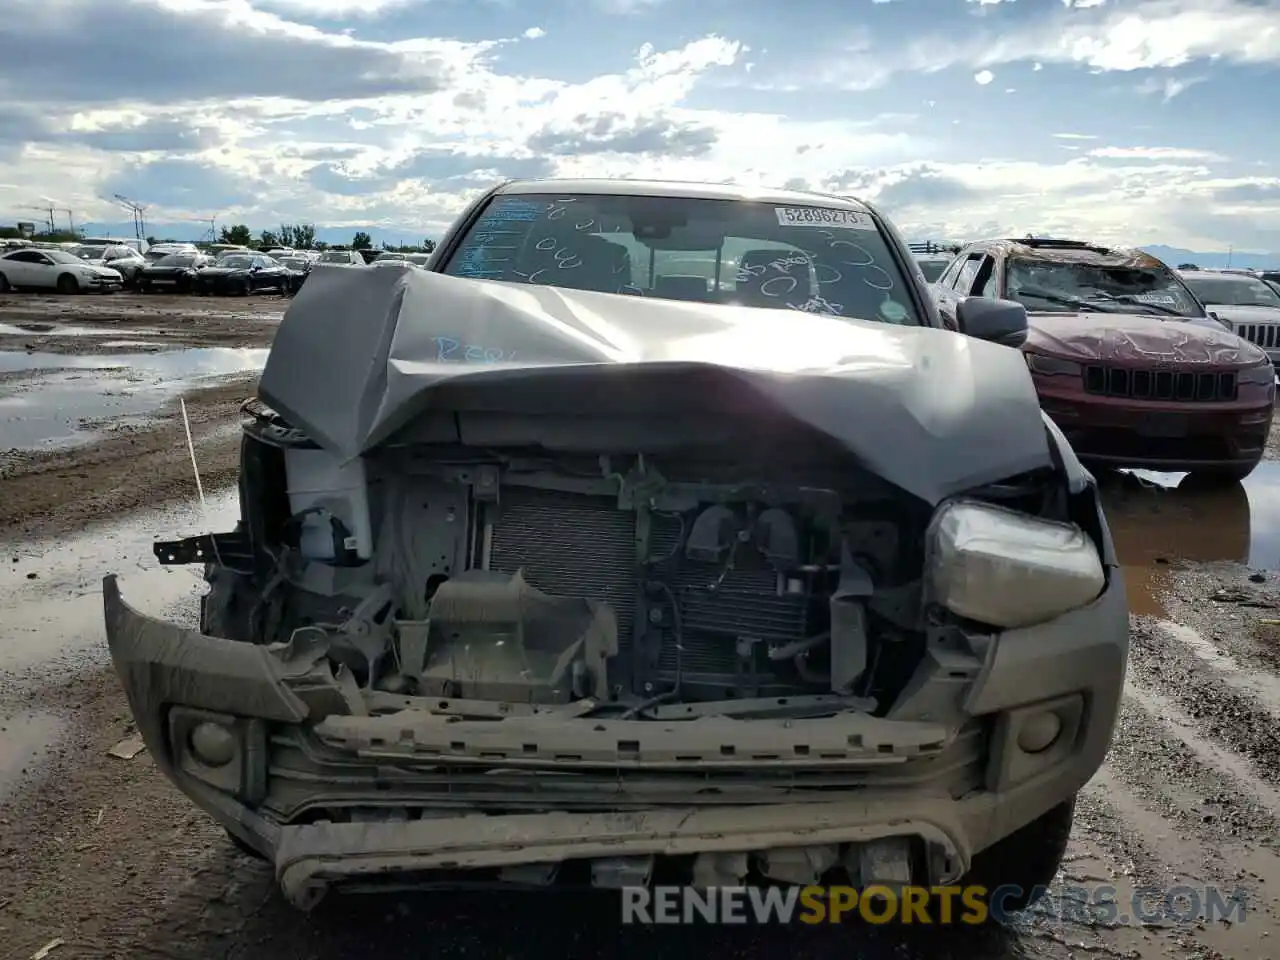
[654, 530]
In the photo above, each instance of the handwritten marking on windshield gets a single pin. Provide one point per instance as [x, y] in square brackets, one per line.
[452, 350]
[565, 258]
[819, 305]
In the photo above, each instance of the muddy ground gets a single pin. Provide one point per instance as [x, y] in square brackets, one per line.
[100, 853]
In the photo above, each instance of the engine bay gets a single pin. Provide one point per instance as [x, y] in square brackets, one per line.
[650, 586]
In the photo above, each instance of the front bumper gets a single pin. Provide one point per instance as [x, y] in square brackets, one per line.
[530, 793]
[103, 283]
[1161, 435]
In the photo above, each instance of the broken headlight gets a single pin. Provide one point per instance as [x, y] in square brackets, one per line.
[1007, 568]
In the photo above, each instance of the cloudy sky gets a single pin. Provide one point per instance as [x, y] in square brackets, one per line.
[1141, 121]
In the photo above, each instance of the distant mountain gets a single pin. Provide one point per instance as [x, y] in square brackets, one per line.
[1174, 256]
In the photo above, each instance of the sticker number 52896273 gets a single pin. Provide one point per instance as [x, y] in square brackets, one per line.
[823, 217]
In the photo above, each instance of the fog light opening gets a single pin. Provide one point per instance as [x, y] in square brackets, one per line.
[213, 744]
[1039, 732]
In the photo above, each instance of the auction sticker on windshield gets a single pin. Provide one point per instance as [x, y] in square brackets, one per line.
[823, 217]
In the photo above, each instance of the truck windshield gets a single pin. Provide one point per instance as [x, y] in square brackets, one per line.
[815, 258]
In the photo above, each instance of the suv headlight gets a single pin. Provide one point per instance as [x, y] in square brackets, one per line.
[1263, 373]
[1039, 363]
[1006, 568]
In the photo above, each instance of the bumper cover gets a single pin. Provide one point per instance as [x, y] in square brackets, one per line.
[1080, 657]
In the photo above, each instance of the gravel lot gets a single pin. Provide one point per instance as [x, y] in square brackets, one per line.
[102, 853]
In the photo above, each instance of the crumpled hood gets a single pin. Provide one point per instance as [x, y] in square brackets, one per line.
[1135, 338]
[361, 353]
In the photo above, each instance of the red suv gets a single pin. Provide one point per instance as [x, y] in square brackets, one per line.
[1124, 357]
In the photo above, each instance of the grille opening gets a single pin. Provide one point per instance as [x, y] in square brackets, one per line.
[1184, 386]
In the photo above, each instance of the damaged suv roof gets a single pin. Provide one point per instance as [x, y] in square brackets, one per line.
[360, 356]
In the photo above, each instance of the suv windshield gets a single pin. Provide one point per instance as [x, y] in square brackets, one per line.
[1054, 286]
[335, 256]
[800, 257]
[1234, 291]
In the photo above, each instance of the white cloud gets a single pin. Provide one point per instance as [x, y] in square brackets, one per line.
[1167, 87]
[401, 133]
[1142, 35]
[337, 9]
[1155, 153]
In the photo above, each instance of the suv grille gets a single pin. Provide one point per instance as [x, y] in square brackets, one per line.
[1159, 384]
[1265, 335]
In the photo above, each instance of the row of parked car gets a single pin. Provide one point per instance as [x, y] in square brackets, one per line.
[1139, 364]
[224, 269]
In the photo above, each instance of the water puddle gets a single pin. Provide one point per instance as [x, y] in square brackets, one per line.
[47, 402]
[170, 364]
[1159, 519]
[54, 618]
[36, 329]
[24, 739]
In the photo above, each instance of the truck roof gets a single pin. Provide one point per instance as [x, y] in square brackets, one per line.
[682, 188]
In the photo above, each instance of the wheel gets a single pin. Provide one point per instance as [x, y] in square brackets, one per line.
[4, 284]
[246, 288]
[1221, 476]
[244, 847]
[68, 284]
[1025, 862]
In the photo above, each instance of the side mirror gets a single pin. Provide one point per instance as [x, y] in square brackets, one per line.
[1000, 321]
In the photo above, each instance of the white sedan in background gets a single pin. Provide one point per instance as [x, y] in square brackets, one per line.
[54, 270]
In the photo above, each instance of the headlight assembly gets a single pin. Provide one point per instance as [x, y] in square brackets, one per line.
[1006, 568]
[1038, 363]
[1263, 373]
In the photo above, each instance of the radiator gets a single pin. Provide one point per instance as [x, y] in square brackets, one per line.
[583, 546]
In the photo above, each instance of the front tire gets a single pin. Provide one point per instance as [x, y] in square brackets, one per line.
[68, 284]
[4, 284]
[1025, 862]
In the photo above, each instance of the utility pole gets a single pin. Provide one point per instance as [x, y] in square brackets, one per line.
[213, 227]
[55, 206]
[1230, 251]
[139, 220]
[48, 212]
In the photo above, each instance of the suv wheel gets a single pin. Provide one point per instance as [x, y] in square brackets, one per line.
[1027, 859]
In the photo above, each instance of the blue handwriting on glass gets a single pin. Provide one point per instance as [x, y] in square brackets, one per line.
[452, 350]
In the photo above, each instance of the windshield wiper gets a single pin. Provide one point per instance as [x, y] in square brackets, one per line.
[1058, 298]
[1157, 307]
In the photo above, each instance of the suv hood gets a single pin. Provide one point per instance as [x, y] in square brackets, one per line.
[1133, 338]
[1233, 313]
[362, 353]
